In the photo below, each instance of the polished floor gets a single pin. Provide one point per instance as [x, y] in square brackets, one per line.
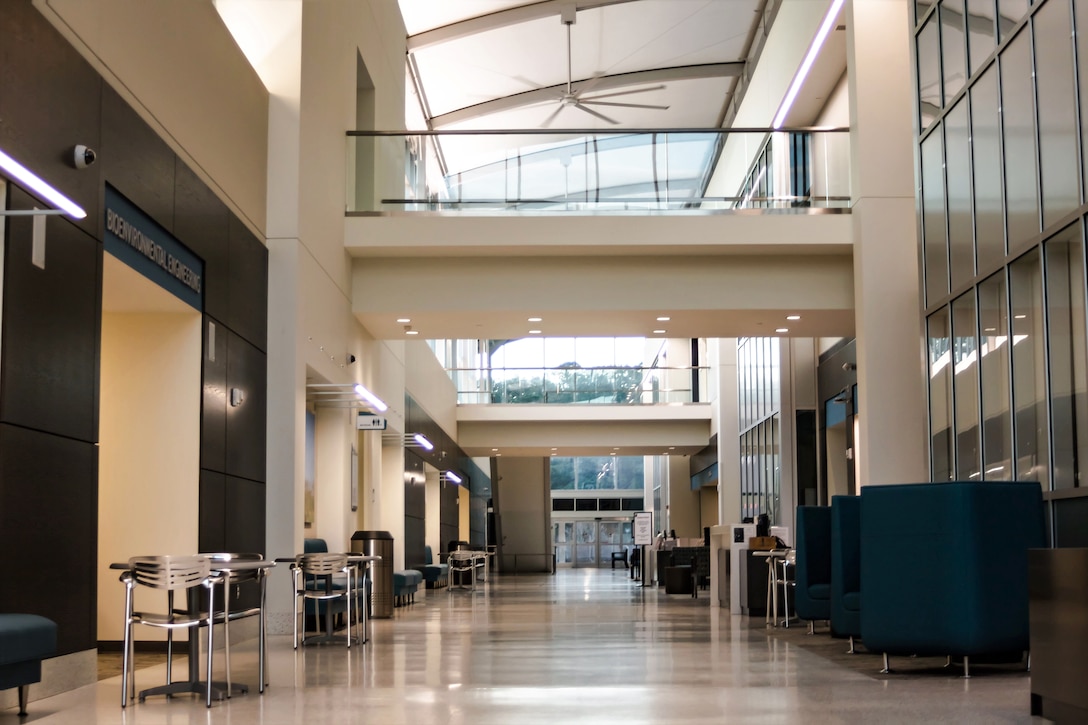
[584, 646]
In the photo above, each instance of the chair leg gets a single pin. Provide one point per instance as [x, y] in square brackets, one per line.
[211, 639]
[812, 626]
[295, 607]
[966, 667]
[261, 644]
[169, 639]
[23, 693]
[851, 650]
[126, 655]
[887, 666]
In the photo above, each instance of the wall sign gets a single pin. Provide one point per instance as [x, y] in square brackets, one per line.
[138, 241]
[366, 421]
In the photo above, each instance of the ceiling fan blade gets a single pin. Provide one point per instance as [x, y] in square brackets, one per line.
[624, 93]
[601, 116]
[588, 85]
[551, 117]
[624, 105]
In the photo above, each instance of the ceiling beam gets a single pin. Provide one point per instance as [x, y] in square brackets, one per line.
[500, 19]
[601, 83]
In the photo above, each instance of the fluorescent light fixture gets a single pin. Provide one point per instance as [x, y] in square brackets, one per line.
[782, 329]
[806, 64]
[536, 319]
[659, 332]
[34, 182]
[793, 318]
[663, 319]
[534, 332]
[371, 398]
[451, 476]
[411, 332]
[422, 441]
[404, 319]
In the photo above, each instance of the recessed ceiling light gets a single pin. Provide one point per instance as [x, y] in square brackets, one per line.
[659, 332]
[534, 332]
[782, 329]
[990, 329]
[411, 332]
[494, 450]
[1020, 317]
[404, 319]
[663, 319]
[555, 449]
[613, 453]
[615, 448]
[672, 448]
[555, 454]
[793, 317]
[536, 319]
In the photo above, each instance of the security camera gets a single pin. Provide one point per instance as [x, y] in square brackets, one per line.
[83, 157]
[351, 358]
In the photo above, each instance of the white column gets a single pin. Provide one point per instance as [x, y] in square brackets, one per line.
[891, 391]
[391, 496]
[723, 359]
[332, 477]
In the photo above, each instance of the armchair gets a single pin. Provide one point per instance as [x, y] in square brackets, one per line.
[812, 588]
[846, 567]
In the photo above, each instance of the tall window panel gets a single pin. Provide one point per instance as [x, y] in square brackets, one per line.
[933, 218]
[1059, 167]
[986, 157]
[1080, 17]
[953, 47]
[965, 385]
[1009, 13]
[1029, 370]
[961, 242]
[981, 32]
[1066, 328]
[1018, 131]
[993, 320]
[930, 99]
[940, 394]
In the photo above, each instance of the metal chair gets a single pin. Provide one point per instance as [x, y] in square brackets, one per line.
[236, 578]
[313, 580]
[171, 574]
[463, 563]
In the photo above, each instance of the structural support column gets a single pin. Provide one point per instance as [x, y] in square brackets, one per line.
[723, 365]
[891, 391]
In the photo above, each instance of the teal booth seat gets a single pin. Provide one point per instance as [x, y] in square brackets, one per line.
[435, 575]
[944, 567]
[812, 590]
[846, 567]
[25, 640]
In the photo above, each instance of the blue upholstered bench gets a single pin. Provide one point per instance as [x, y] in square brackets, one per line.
[25, 640]
[405, 585]
[435, 575]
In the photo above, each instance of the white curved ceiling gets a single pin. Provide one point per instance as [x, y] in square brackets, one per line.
[478, 63]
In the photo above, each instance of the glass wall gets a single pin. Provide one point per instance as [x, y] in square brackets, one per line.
[1002, 140]
[760, 395]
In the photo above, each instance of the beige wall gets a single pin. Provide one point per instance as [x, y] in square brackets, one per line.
[149, 449]
[525, 503]
[210, 106]
[684, 511]
[708, 507]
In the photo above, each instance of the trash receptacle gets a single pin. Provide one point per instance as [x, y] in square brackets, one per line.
[377, 543]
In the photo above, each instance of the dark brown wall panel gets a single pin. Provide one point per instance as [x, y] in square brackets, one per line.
[247, 370]
[248, 285]
[135, 161]
[213, 411]
[213, 519]
[51, 331]
[245, 506]
[202, 223]
[49, 511]
[50, 100]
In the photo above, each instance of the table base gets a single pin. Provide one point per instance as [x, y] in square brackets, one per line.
[219, 689]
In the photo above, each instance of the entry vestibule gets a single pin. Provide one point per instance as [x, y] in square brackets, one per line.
[149, 431]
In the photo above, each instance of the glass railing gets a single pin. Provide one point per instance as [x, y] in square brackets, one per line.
[593, 171]
[583, 386]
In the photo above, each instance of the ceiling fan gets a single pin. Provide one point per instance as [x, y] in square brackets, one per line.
[575, 98]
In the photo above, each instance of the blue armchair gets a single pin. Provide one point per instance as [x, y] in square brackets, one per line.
[25, 640]
[846, 567]
[944, 567]
[812, 591]
[435, 575]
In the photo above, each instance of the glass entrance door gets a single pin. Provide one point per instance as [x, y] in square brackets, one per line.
[590, 543]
